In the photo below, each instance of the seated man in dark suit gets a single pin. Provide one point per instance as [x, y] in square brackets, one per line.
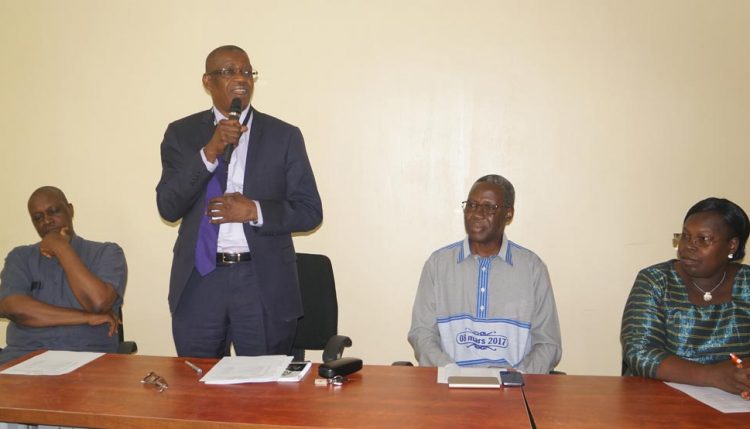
[63, 293]
[240, 183]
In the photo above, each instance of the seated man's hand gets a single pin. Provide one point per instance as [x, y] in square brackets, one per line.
[96, 319]
[54, 242]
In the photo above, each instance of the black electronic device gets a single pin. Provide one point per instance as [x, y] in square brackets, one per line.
[295, 371]
[511, 378]
[342, 366]
[235, 110]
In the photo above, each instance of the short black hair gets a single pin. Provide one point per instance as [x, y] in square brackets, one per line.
[509, 193]
[219, 50]
[50, 190]
[734, 217]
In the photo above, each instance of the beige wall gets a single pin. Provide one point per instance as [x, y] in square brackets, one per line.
[610, 117]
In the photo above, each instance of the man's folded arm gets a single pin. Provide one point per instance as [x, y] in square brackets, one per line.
[93, 293]
[27, 311]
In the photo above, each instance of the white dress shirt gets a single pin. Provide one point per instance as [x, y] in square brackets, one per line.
[231, 235]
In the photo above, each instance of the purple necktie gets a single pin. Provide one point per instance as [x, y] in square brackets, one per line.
[208, 233]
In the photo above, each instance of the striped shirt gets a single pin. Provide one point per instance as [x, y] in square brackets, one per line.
[486, 311]
[660, 321]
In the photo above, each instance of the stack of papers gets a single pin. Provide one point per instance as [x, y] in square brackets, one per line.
[247, 369]
[52, 362]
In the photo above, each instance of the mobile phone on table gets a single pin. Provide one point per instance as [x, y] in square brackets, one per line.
[511, 378]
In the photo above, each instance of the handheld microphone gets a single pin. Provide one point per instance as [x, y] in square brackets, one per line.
[235, 110]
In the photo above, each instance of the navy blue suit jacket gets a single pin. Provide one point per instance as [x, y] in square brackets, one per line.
[277, 175]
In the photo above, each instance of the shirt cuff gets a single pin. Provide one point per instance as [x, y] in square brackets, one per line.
[211, 166]
[259, 221]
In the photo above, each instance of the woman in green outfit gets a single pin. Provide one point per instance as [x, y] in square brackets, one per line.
[684, 317]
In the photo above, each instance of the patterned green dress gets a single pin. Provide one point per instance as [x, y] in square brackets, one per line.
[660, 321]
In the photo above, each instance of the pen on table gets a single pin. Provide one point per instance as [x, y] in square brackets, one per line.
[194, 366]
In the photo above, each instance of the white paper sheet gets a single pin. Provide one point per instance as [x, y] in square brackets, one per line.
[716, 398]
[247, 369]
[52, 362]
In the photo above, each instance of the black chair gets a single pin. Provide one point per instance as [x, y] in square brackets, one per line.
[318, 328]
[124, 347]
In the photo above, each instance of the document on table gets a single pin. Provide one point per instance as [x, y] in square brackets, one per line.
[716, 398]
[52, 362]
[453, 370]
[247, 369]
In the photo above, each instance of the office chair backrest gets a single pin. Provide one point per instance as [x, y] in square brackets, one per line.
[124, 347]
[318, 288]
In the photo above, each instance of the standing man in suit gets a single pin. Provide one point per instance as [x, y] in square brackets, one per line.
[234, 275]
